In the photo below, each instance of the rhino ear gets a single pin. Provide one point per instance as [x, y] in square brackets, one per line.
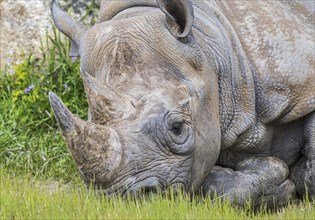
[68, 26]
[179, 15]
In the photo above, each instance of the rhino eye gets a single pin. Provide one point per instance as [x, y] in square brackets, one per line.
[177, 134]
[177, 128]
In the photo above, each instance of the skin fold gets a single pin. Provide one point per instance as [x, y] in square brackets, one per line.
[215, 97]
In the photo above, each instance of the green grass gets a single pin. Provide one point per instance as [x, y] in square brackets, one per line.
[26, 198]
[29, 138]
[39, 180]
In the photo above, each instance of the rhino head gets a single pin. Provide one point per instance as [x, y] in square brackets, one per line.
[153, 118]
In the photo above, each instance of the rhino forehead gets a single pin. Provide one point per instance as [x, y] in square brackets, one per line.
[130, 67]
[116, 52]
[132, 44]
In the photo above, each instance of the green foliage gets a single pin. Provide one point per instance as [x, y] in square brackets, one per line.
[29, 138]
[23, 198]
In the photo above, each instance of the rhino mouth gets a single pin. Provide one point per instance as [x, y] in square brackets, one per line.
[131, 187]
[146, 187]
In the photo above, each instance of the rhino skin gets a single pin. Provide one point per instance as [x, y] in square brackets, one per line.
[216, 97]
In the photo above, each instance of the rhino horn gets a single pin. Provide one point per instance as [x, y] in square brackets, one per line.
[88, 143]
[65, 119]
[180, 12]
[68, 26]
[105, 103]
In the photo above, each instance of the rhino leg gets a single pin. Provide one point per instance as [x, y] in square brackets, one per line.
[256, 179]
[303, 172]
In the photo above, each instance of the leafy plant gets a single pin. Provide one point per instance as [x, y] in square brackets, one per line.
[29, 139]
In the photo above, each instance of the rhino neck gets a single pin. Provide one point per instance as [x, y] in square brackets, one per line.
[220, 43]
[110, 8]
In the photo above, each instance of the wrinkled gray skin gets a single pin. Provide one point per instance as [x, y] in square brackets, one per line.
[211, 96]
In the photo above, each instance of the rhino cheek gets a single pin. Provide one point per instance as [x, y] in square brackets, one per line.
[205, 156]
[208, 138]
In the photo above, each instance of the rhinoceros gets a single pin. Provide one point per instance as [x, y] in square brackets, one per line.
[215, 97]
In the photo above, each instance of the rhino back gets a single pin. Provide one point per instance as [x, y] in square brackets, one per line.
[264, 53]
[278, 39]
